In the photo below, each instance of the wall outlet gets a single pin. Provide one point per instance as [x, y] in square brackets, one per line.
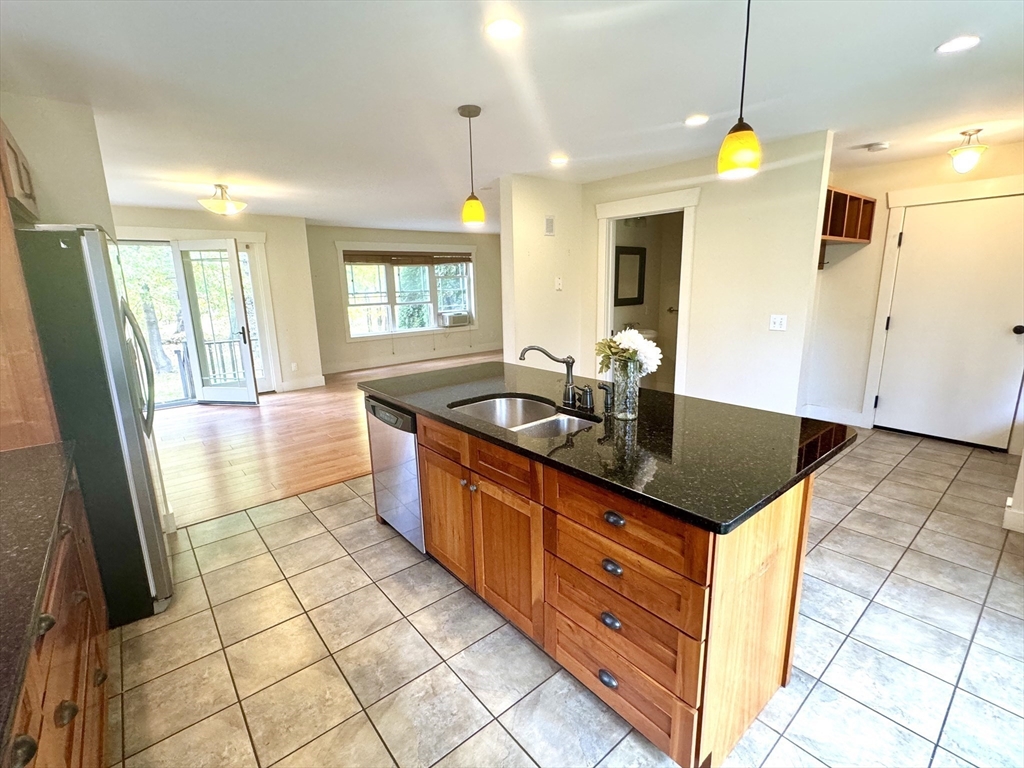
[549, 226]
[777, 322]
[295, 366]
[558, 283]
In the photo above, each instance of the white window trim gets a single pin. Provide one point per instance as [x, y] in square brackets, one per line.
[343, 246]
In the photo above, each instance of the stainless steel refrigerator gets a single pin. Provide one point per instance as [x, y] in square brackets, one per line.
[102, 380]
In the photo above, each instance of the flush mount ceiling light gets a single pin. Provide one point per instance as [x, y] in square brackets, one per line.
[504, 29]
[695, 120]
[472, 209]
[558, 160]
[966, 156]
[959, 44]
[740, 155]
[221, 202]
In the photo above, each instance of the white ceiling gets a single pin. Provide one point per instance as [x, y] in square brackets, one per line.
[344, 112]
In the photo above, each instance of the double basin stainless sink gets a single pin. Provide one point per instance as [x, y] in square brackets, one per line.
[524, 416]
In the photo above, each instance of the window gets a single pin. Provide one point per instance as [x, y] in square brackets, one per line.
[405, 292]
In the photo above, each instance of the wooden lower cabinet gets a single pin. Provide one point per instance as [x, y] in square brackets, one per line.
[509, 534]
[447, 514]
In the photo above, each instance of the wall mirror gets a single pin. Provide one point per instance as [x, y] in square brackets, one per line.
[630, 262]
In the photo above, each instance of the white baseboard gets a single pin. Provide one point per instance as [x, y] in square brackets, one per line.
[838, 415]
[415, 357]
[1013, 519]
[305, 383]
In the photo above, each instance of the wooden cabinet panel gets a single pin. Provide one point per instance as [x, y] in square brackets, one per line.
[28, 714]
[447, 514]
[95, 702]
[443, 440]
[681, 602]
[509, 534]
[73, 514]
[668, 656]
[515, 472]
[672, 543]
[651, 709]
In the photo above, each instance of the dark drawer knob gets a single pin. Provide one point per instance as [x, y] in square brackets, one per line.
[99, 677]
[614, 518]
[607, 678]
[45, 623]
[64, 713]
[611, 567]
[79, 596]
[610, 621]
[23, 749]
[65, 529]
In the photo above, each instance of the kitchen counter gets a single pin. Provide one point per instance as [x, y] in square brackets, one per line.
[32, 486]
[710, 464]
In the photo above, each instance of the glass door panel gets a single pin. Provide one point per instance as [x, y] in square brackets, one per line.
[255, 315]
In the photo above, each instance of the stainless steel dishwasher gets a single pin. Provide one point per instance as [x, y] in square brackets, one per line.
[393, 456]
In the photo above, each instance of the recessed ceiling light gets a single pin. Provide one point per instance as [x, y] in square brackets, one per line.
[504, 29]
[958, 44]
[559, 160]
[694, 120]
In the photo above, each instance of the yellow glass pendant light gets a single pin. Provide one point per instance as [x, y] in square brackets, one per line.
[740, 155]
[966, 156]
[221, 202]
[472, 210]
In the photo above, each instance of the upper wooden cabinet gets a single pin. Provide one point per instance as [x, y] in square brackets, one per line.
[17, 178]
[848, 219]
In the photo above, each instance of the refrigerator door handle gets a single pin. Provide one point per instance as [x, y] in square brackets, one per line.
[140, 341]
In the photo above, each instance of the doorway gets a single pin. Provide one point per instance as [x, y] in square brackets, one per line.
[953, 360]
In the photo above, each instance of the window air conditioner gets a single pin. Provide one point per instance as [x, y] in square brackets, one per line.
[454, 319]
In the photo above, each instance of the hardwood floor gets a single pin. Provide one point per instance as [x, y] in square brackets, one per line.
[221, 459]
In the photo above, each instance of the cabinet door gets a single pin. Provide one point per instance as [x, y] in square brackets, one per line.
[509, 533]
[447, 514]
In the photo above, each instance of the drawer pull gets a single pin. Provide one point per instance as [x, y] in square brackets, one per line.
[611, 567]
[79, 596]
[463, 483]
[607, 678]
[614, 518]
[65, 529]
[99, 677]
[610, 621]
[23, 749]
[472, 488]
[64, 713]
[45, 623]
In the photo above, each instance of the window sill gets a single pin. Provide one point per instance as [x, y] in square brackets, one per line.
[402, 334]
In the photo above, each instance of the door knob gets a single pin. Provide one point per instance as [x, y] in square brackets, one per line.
[1018, 329]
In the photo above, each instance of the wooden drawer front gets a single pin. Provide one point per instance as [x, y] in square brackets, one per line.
[665, 593]
[442, 439]
[95, 715]
[28, 714]
[53, 599]
[509, 469]
[652, 710]
[73, 514]
[672, 543]
[670, 657]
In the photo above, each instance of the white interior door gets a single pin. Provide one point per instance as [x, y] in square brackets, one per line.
[216, 321]
[953, 362]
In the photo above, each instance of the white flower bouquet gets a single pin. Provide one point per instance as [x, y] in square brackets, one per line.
[629, 345]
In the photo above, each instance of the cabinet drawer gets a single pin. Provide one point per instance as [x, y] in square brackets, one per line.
[672, 543]
[515, 472]
[676, 599]
[95, 714]
[442, 439]
[651, 709]
[670, 657]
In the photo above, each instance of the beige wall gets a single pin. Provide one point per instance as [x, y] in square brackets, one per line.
[847, 289]
[291, 286]
[341, 355]
[59, 141]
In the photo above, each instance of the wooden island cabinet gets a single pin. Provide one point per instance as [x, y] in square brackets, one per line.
[685, 633]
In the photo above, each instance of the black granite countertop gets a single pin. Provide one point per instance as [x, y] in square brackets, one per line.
[32, 484]
[711, 464]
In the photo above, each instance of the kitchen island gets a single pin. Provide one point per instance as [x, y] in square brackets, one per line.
[659, 561]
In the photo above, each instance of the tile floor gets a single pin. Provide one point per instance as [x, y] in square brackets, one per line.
[305, 634]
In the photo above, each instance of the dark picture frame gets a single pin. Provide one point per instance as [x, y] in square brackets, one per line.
[628, 269]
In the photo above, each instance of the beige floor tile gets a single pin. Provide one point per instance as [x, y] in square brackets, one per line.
[881, 526]
[308, 553]
[455, 622]
[225, 552]
[353, 743]
[325, 497]
[361, 485]
[635, 751]
[157, 652]
[956, 550]
[219, 741]
[353, 616]
[113, 667]
[273, 654]
[178, 542]
[1006, 596]
[296, 710]
[491, 746]
[291, 530]
[172, 702]
[364, 533]
[424, 720]
[221, 528]
[995, 677]
[386, 660]
[345, 513]
[942, 574]
[241, 578]
[328, 581]
[246, 615]
[113, 738]
[865, 548]
[919, 479]
[419, 586]
[276, 511]
[183, 566]
[388, 557]
[1011, 568]
[189, 598]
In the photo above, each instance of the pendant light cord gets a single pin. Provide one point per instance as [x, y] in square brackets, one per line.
[472, 189]
[743, 81]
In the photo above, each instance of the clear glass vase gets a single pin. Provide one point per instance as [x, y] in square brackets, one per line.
[626, 375]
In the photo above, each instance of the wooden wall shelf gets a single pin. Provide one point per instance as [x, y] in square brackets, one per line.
[848, 219]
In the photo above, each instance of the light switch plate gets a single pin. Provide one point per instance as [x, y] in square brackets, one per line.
[777, 323]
